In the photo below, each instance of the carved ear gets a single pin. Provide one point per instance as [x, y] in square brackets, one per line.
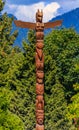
[42, 11]
[38, 10]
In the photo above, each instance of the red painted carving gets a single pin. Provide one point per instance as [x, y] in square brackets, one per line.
[40, 65]
[39, 102]
[39, 71]
[39, 26]
[39, 35]
[38, 60]
[40, 44]
[40, 74]
[40, 116]
[39, 127]
[40, 81]
[39, 89]
[39, 53]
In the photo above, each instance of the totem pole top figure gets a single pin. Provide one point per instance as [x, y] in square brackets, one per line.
[39, 16]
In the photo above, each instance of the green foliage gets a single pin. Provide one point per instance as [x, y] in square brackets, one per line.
[31, 37]
[1, 5]
[8, 120]
[61, 52]
[17, 79]
[23, 102]
[59, 78]
[6, 38]
[74, 105]
[63, 46]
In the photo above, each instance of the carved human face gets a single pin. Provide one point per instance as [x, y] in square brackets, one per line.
[40, 116]
[40, 89]
[40, 120]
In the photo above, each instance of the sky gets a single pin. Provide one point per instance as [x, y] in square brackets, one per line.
[25, 10]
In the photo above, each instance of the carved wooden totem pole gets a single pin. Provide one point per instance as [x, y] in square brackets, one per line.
[39, 71]
[39, 26]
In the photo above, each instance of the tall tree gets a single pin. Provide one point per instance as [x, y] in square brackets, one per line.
[61, 49]
[8, 120]
[73, 107]
[23, 102]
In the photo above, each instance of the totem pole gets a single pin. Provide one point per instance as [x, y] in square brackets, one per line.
[39, 26]
[39, 71]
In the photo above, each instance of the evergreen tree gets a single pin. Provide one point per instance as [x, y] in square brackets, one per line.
[73, 107]
[61, 49]
[23, 102]
[8, 120]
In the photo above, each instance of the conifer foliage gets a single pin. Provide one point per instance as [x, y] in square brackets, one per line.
[8, 120]
[61, 50]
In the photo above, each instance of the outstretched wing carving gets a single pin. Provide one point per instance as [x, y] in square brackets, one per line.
[24, 24]
[33, 25]
[52, 24]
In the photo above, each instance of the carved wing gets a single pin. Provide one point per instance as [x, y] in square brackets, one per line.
[52, 24]
[24, 24]
[33, 25]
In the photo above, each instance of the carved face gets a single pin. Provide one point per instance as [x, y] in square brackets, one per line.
[40, 120]
[40, 74]
[40, 98]
[40, 44]
[39, 35]
[39, 26]
[40, 116]
[40, 90]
